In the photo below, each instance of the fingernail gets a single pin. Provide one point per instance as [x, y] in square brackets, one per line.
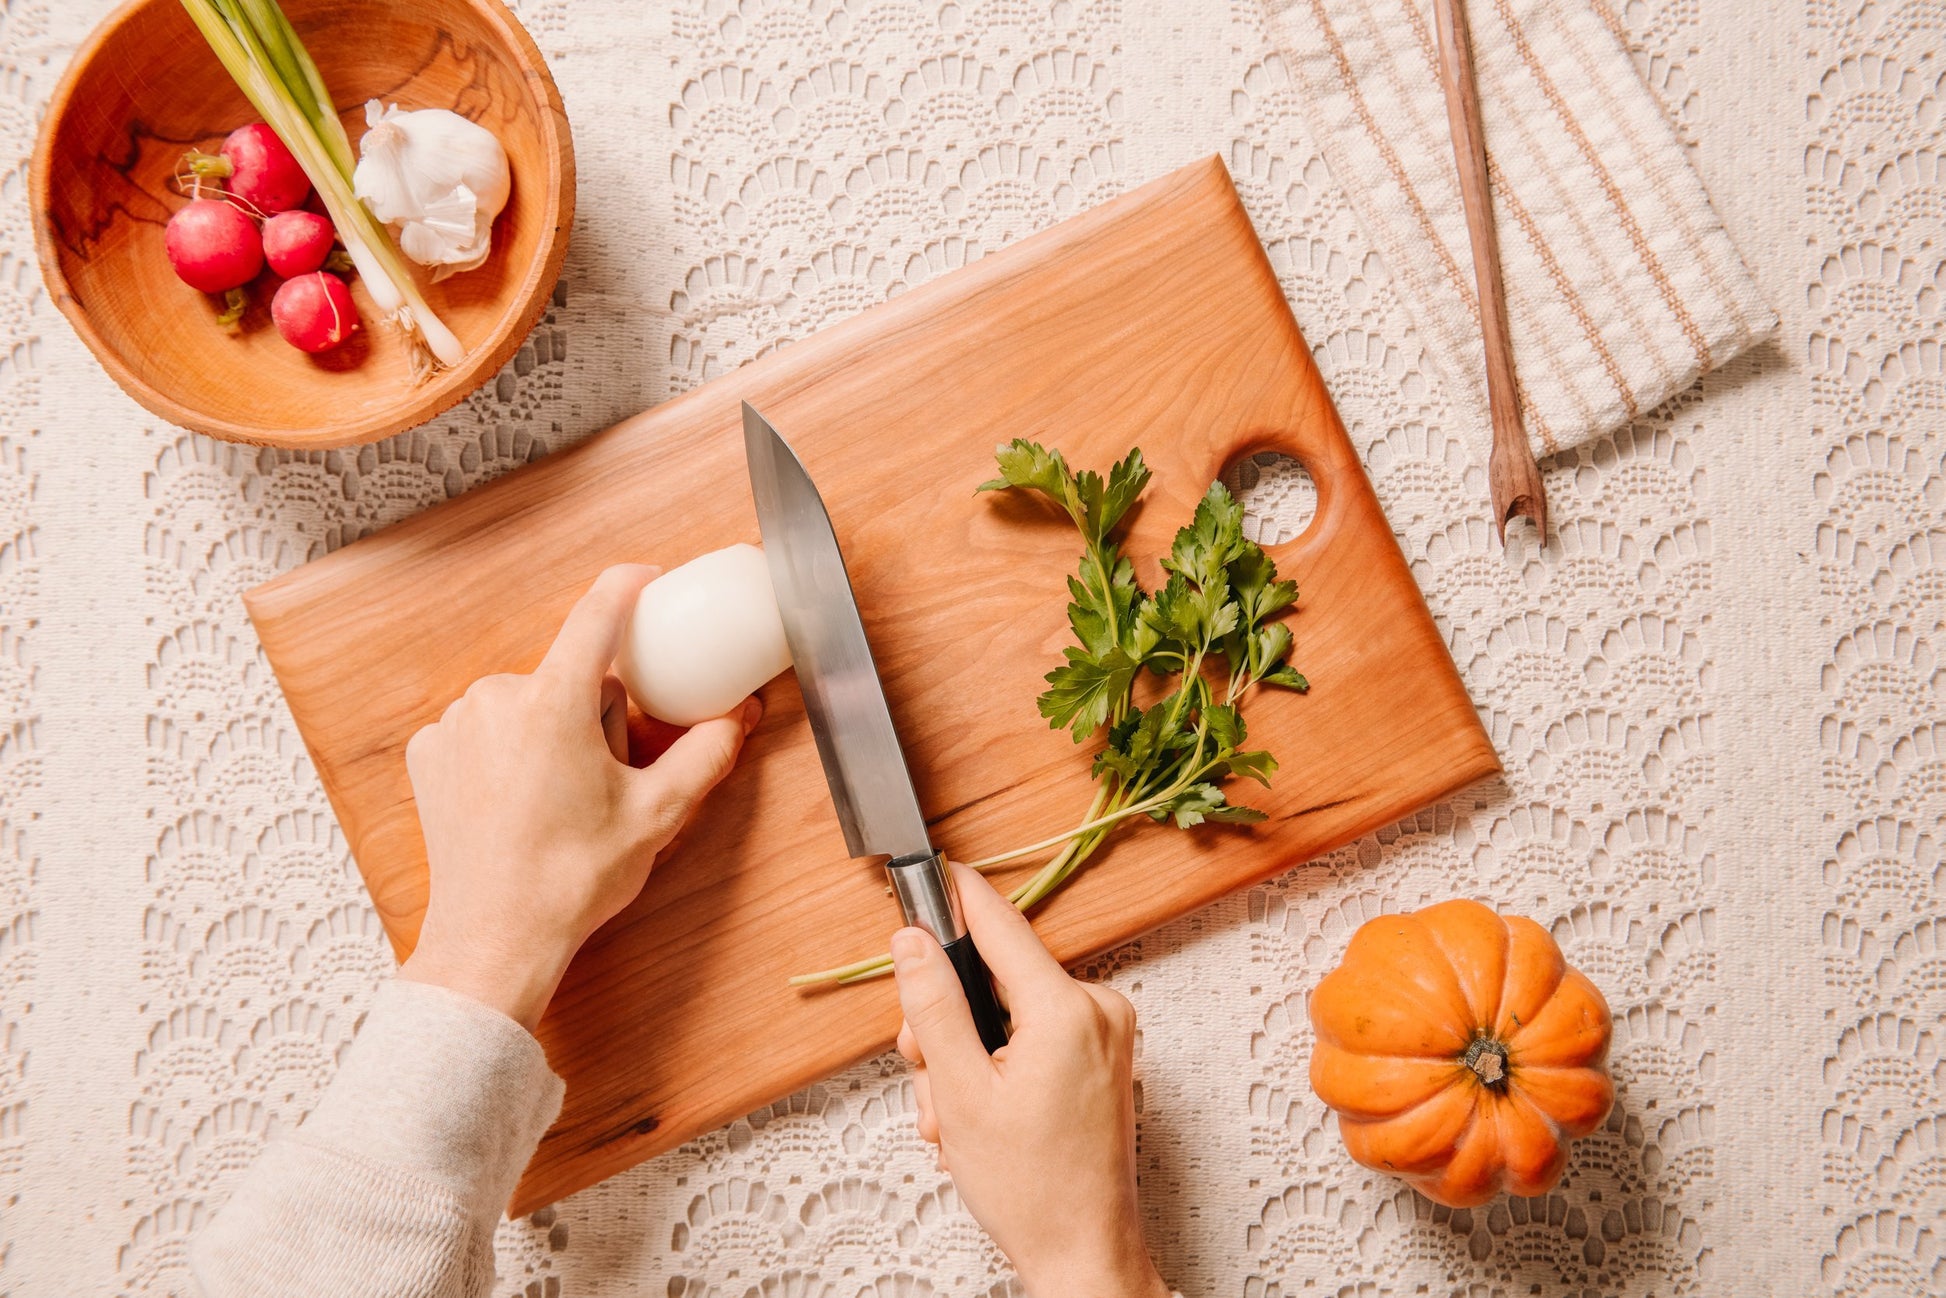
[753, 712]
[908, 947]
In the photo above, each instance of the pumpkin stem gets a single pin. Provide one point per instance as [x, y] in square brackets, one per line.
[1488, 1060]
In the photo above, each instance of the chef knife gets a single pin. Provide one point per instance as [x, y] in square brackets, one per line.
[863, 762]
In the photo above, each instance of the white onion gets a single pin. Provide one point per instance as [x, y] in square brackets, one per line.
[703, 636]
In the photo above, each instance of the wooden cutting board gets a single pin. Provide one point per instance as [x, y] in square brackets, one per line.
[1153, 320]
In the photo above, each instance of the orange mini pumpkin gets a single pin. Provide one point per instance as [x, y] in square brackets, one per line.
[1461, 1052]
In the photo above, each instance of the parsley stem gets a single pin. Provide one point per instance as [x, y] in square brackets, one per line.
[1069, 860]
[853, 972]
[1081, 842]
[1095, 821]
[1035, 890]
[1107, 575]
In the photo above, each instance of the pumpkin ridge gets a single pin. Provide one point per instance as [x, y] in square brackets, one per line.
[1543, 948]
[1421, 1102]
[1530, 1166]
[1416, 1147]
[1517, 1069]
[1483, 1016]
[1430, 932]
[1576, 1104]
[1583, 1042]
[1387, 981]
[1507, 976]
[1375, 1087]
[1452, 1183]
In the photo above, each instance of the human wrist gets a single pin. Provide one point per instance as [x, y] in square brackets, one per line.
[1129, 1275]
[517, 983]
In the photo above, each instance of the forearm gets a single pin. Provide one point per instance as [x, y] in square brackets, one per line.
[394, 1184]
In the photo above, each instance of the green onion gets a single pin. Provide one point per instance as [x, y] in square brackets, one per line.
[261, 52]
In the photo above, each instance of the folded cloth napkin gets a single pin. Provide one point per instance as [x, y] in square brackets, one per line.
[1622, 287]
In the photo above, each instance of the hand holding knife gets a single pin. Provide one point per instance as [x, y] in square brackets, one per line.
[857, 742]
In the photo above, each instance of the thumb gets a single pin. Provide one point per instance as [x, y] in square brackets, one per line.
[935, 1009]
[674, 784]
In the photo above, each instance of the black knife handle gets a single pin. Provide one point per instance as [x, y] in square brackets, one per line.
[988, 1017]
[923, 883]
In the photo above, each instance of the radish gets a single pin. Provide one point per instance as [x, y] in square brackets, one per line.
[262, 171]
[297, 242]
[213, 246]
[314, 312]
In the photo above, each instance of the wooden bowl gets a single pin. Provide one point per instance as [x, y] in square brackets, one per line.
[145, 88]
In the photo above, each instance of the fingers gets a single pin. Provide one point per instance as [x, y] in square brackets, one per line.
[416, 752]
[614, 716]
[935, 1008]
[592, 633]
[1013, 954]
[675, 783]
[922, 1096]
[928, 1117]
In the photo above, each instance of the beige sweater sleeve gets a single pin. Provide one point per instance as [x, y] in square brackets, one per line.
[393, 1186]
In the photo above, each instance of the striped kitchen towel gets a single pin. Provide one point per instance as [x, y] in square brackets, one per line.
[1622, 287]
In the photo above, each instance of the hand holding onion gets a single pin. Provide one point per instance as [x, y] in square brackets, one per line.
[525, 781]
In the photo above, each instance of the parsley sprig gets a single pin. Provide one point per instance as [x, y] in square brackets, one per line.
[1208, 630]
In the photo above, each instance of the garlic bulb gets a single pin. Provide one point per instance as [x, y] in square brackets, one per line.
[437, 179]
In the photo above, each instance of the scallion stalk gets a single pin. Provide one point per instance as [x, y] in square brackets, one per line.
[261, 51]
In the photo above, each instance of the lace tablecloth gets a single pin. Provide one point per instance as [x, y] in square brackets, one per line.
[1717, 690]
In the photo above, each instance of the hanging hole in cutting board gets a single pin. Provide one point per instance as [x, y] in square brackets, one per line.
[1280, 498]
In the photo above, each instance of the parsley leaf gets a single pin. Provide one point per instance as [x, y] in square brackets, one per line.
[1031, 465]
[1212, 539]
[1082, 693]
[1257, 765]
[1126, 482]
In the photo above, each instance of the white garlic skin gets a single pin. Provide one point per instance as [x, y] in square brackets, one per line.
[703, 637]
[437, 179]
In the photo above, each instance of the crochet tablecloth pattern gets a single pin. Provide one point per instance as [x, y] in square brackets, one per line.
[1717, 688]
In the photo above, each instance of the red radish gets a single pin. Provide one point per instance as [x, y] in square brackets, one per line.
[213, 246]
[297, 242]
[262, 171]
[314, 312]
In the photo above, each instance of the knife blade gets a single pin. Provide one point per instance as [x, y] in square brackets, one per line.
[864, 762]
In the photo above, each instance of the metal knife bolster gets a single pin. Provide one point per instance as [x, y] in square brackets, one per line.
[927, 894]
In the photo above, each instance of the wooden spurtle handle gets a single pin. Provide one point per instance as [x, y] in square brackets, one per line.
[1514, 476]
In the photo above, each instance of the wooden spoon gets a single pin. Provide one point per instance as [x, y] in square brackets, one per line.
[1511, 471]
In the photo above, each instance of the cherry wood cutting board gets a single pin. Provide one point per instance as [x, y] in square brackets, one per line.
[1153, 320]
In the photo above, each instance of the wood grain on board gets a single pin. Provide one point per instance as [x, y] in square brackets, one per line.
[1154, 320]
